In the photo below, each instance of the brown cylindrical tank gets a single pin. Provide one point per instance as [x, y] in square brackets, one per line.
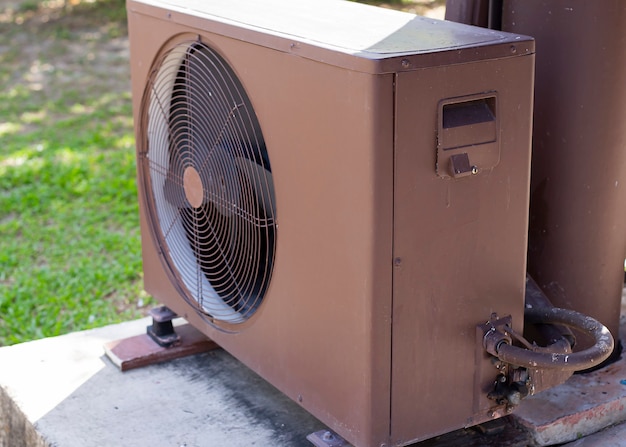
[577, 238]
[471, 12]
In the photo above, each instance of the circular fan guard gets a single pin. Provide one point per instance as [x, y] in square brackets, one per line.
[208, 183]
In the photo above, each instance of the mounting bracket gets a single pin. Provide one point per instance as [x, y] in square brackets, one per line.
[326, 438]
[162, 330]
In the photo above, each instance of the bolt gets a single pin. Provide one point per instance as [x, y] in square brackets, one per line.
[513, 49]
[328, 436]
[474, 170]
[299, 397]
[397, 262]
[405, 63]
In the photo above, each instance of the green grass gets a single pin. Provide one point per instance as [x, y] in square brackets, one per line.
[70, 244]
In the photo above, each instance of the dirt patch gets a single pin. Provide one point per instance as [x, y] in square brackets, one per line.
[63, 49]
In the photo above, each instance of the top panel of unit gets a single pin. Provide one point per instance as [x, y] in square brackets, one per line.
[367, 32]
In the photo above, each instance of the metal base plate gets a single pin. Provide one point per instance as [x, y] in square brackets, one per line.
[326, 438]
[141, 350]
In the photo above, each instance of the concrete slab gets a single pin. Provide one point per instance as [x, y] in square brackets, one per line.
[63, 392]
[585, 404]
[610, 437]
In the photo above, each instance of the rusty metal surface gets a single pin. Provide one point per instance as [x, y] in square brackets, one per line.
[578, 218]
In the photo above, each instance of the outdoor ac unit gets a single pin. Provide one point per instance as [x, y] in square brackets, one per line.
[337, 194]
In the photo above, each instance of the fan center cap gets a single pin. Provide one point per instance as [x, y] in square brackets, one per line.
[192, 183]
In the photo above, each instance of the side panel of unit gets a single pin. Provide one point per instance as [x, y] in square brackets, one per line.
[323, 332]
[459, 242]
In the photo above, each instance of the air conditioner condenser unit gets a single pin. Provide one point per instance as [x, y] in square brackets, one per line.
[337, 194]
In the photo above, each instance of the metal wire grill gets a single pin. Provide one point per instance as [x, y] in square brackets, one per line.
[208, 182]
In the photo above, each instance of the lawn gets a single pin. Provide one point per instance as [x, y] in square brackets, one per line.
[69, 247]
[70, 255]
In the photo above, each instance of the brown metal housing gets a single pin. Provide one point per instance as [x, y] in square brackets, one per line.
[400, 154]
[577, 240]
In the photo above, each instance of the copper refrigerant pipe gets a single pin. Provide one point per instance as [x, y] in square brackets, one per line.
[499, 345]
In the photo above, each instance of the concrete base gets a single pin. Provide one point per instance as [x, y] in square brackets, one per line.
[64, 392]
[583, 405]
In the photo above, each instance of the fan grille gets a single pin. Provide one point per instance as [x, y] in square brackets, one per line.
[208, 183]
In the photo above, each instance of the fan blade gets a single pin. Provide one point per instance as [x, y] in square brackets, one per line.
[218, 172]
[262, 185]
[174, 193]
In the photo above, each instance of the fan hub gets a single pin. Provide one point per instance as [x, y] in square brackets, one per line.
[192, 184]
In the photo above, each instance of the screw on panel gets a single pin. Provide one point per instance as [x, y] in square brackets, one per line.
[405, 63]
[328, 436]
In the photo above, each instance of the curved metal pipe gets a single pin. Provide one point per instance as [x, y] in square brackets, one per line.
[576, 361]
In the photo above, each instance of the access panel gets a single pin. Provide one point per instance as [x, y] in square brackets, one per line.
[459, 237]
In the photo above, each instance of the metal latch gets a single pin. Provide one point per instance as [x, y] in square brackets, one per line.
[467, 135]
